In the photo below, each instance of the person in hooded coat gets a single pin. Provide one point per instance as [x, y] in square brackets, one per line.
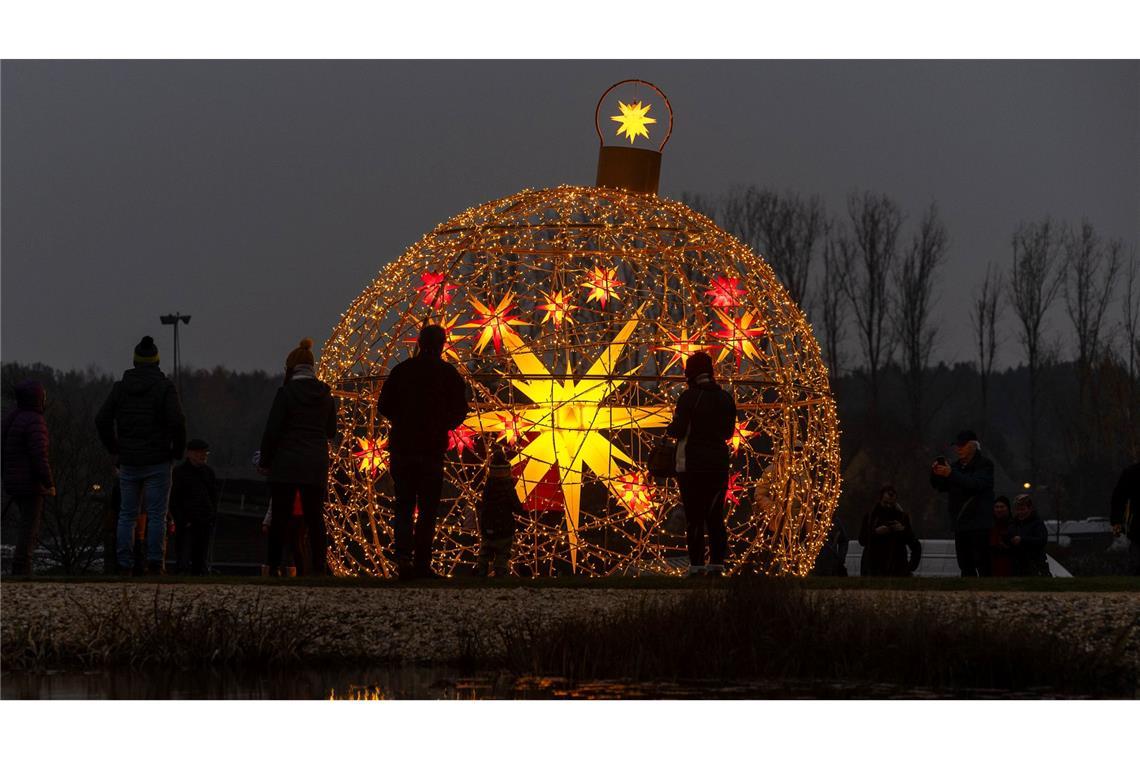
[141, 423]
[295, 453]
[703, 423]
[27, 468]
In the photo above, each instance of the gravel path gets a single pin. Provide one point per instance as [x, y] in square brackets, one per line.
[426, 624]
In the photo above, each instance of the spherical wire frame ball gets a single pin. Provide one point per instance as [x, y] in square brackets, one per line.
[569, 312]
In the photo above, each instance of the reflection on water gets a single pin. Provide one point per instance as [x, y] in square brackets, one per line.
[418, 682]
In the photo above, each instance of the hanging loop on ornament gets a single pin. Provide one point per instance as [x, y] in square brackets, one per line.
[634, 118]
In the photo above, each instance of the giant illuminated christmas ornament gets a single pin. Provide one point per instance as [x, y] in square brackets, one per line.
[570, 312]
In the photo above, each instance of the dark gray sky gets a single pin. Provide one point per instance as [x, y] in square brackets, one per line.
[261, 197]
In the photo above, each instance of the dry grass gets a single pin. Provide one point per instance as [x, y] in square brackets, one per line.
[776, 631]
[185, 633]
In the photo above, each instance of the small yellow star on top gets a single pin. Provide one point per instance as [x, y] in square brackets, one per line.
[633, 120]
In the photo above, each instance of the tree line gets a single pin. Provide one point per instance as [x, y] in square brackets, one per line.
[867, 276]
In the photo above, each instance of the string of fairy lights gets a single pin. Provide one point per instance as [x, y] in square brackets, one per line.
[569, 311]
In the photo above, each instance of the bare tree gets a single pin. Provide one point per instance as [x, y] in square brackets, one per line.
[832, 306]
[1033, 284]
[914, 286]
[985, 315]
[1091, 267]
[786, 229]
[699, 203]
[868, 256]
[1130, 312]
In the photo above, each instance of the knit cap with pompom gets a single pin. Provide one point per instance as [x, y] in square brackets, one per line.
[146, 353]
[302, 354]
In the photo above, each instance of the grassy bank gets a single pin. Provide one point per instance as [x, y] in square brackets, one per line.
[765, 630]
[770, 630]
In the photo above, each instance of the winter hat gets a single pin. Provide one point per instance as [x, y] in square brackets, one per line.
[197, 444]
[146, 352]
[500, 467]
[302, 354]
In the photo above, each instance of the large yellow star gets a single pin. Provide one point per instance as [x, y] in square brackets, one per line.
[633, 120]
[567, 415]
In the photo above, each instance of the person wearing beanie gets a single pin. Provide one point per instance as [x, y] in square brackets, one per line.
[703, 423]
[423, 398]
[194, 507]
[1001, 563]
[295, 453]
[141, 423]
[27, 468]
[497, 510]
[969, 488]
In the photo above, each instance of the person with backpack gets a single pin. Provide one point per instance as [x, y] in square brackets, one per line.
[141, 423]
[703, 423]
[423, 398]
[27, 468]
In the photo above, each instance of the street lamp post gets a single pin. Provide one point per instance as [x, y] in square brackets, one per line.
[174, 319]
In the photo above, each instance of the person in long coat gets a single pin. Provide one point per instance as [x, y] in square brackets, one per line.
[295, 453]
[887, 538]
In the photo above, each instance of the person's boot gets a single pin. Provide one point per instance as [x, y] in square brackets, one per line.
[714, 571]
[155, 567]
[405, 570]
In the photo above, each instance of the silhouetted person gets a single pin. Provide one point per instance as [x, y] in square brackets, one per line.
[423, 398]
[886, 537]
[1125, 504]
[969, 486]
[142, 425]
[194, 507]
[832, 557]
[703, 422]
[27, 468]
[295, 453]
[1001, 564]
[1026, 538]
[497, 511]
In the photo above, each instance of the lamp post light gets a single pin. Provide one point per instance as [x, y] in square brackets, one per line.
[174, 319]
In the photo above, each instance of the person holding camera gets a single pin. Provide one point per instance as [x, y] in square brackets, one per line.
[969, 488]
[886, 537]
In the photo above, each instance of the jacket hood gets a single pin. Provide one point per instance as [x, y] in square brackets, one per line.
[306, 391]
[139, 380]
[30, 396]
